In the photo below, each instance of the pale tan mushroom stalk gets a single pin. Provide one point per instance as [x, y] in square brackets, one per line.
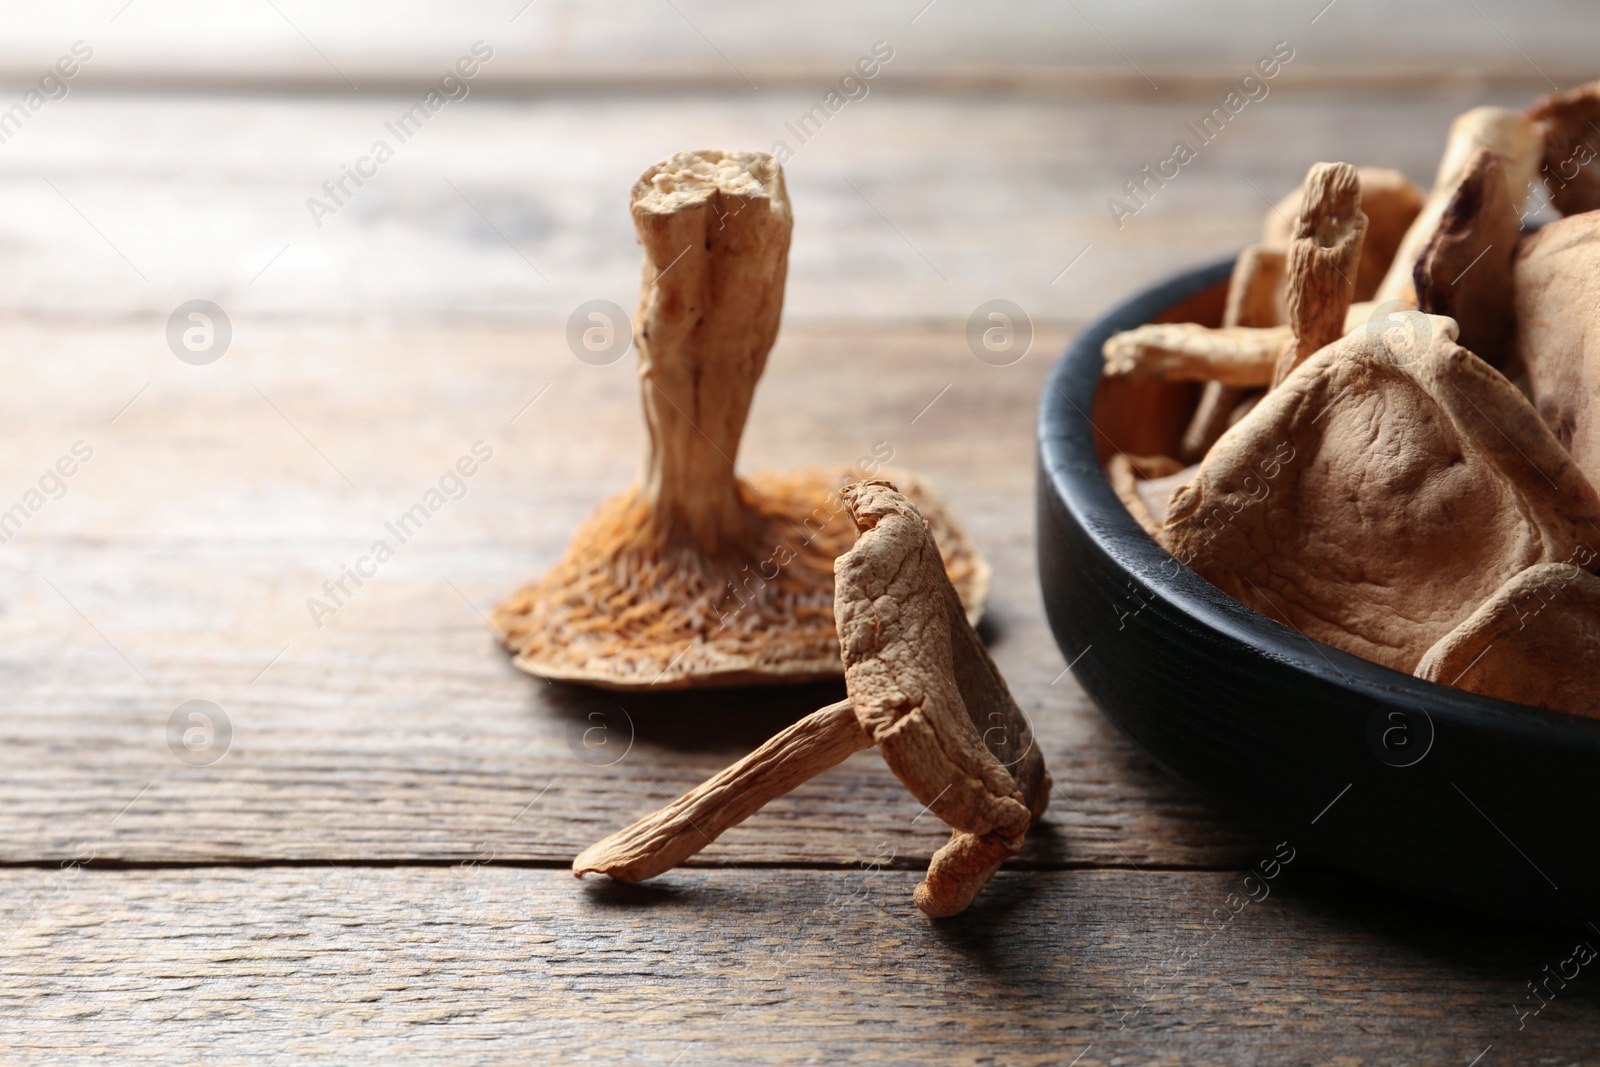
[1324, 254]
[1238, 356]
[1386, 489]
[699, 575]
[1535, 641]
[1390, 200]
[1568, 123]
[1255, 289]
[658, 843]
[1557, 292]
[1255, 298]
[1510, 135]
[922, 688]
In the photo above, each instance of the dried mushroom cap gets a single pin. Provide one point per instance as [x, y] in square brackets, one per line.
[921, 687]
[1568, 122]
[1372, 500]
[1557, 292]
[926, 690]
[699, 575]
[1324, 252]
[1535, 641]
[1390, 201]
[1464, 272]
[1510, 135]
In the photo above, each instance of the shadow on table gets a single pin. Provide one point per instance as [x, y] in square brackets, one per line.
[690, 719]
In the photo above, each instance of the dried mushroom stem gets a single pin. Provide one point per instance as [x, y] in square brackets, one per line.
[1238, 356]
[715, 228]
[1508, 134]
[1390, 200]
[1254, 299]
[660, 841]
[1323, 258]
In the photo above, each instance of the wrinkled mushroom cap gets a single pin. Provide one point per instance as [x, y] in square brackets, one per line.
[1535, 641]
[1384, 490]
[931, 698]
[1557, 289]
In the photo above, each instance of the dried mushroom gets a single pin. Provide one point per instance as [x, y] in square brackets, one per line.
[1535, 641]
[1392, 493]
[1557, 279]
[1569, 125]
[700, 575]
[921, 688]
[1237, 356]
[1509, 135]
[1391, 202]
[1383, 491]
[1255, 298]
[1324, 252]
[1464, 271]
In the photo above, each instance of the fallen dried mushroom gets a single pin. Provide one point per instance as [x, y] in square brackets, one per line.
[921, 688]
[700, 574]
[1393, 493]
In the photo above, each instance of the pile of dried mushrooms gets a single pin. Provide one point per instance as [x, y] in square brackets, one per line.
[1398, 437]
[700, 575]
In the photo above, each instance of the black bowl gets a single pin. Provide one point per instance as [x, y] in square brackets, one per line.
[1485, 804]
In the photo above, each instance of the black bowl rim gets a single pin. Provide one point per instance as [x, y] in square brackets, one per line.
[1075, 477]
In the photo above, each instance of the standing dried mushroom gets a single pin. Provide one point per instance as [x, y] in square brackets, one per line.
[921, 688]
[700, 575]
[1324, 253]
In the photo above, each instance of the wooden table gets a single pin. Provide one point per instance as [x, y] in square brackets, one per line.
[376, 866]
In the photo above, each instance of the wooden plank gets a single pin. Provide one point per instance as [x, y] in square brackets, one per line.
[180, 562]
[498, 965]
[907, 207]
[368, 46]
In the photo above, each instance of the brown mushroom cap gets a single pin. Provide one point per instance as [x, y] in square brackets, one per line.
[1568, 122]
[931, 698]
[1464, 272]
[1535, 641]
[1557, 286]
[1385, 489]
[699, 575]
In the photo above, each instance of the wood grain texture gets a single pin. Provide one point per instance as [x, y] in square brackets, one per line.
[495, 965]
[428, 314]
[514, 211]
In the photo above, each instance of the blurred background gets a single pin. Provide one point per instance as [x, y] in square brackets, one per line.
[977, 164]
